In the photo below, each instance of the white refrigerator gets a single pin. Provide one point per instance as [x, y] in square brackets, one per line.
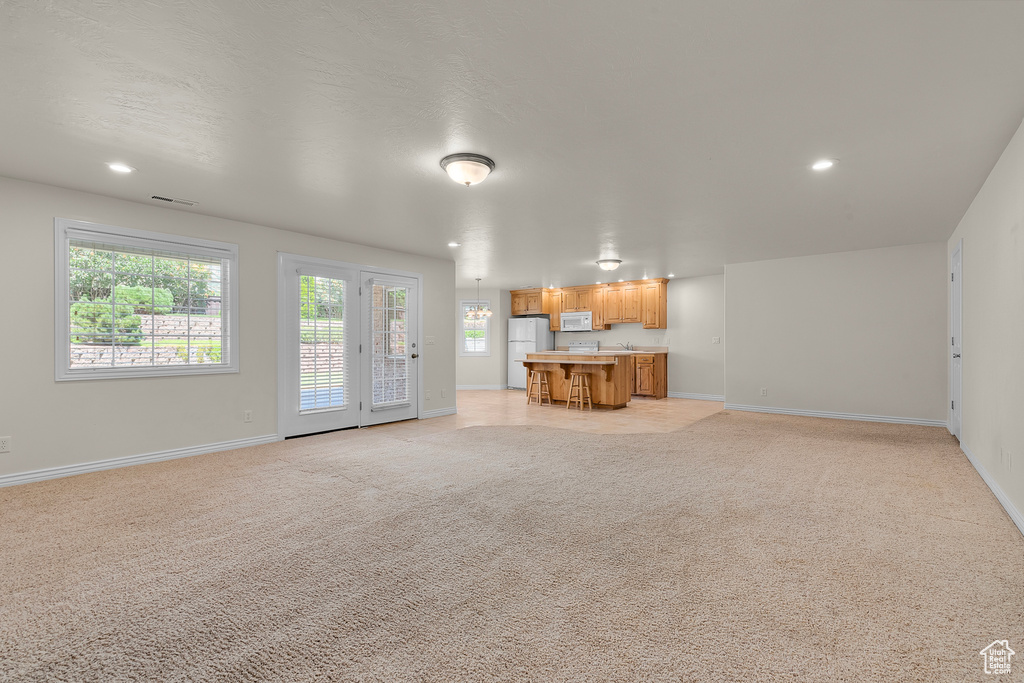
[526, 335]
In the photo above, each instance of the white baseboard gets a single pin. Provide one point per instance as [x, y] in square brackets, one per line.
[481, 387]
[838, 416]
[113, 463]
[1003, 499]
[696, 397]
[440, 412]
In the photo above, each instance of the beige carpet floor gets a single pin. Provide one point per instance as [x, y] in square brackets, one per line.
[746, 547]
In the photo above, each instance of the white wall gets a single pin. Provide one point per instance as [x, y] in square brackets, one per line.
[855, 333]
[696, 314]
[57, 424]
[992, 230]
[485, 372]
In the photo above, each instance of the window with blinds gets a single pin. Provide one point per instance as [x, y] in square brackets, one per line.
[322, 361]
[133, 303]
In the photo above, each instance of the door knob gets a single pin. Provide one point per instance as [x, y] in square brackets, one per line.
[415, 355]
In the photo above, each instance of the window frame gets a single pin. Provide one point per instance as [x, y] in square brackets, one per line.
[65, 229]
[463, 304]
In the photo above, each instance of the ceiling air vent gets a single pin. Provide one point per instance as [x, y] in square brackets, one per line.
[173, 200]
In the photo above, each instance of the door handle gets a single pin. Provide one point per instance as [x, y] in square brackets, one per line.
[956, 355]
[415, 355]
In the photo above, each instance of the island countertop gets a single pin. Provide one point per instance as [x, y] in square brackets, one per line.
[610, 374]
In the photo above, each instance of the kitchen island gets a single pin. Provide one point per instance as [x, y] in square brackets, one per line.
[611, 378]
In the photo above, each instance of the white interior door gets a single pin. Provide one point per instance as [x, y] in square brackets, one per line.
[956, 346]
[390, 313]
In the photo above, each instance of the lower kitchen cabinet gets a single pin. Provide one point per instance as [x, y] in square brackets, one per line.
[650, 374]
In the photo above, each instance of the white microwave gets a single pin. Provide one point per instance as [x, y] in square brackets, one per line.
[578, 321]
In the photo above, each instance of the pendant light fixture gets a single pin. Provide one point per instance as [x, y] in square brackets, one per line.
[479, 311]
[467, 169]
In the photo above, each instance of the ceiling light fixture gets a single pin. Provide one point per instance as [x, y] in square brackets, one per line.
[118, 167]
[467, 169]
[609, 263]
[454, 244]
[823, 164]
[479, 311]
[671, 274]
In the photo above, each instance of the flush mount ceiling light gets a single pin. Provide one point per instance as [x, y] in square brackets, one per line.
[454, 244]
[609, 263]
[467, 169]
[119, 167]
[824, 164]
[479, 311]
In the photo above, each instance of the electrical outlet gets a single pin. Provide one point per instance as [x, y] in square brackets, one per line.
[5, 444]
[764, 391]
[444, 393]
[426, 394]
[656, 340]
[430, 341]
[247, 416]
[716, 340]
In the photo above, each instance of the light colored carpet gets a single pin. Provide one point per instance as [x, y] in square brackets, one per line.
[746, 547]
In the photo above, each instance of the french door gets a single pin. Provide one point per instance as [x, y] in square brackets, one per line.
[347, 346]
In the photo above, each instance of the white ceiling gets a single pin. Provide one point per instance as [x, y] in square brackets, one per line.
[674, 135]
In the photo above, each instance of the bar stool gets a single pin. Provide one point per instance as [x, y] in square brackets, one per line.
[538, 380]
[579, 385]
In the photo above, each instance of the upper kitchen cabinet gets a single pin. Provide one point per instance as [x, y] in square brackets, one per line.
[622, 303]
[527, 301]
[654, 305]
[555, 309]
[636, 301]
[597, 301]
[577, 299]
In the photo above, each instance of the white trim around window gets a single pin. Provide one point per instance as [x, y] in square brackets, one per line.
[173, 305]
[470, 346]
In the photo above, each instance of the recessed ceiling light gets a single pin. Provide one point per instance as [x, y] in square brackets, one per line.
[454, 244]
[119, 167]
[621, 280]
[823, 164]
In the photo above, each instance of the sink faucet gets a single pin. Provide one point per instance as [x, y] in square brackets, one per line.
[627, 346]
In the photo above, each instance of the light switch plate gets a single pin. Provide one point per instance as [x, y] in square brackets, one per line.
[716, 340]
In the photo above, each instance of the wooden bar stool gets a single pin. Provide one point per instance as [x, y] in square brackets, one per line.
[579, 386]
[538, 384]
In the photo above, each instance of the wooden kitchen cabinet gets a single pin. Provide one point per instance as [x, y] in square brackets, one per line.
[636, 301]
[527, 301]
[597, 296]
[650, 374]
[631, 302]
[654, 304]
[577, 299]
[612, 305]
[554, 309]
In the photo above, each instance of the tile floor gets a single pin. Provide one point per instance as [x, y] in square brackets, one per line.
[641, 415]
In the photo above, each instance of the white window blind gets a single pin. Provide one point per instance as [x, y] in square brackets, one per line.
[132, 303]
[322, 358]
